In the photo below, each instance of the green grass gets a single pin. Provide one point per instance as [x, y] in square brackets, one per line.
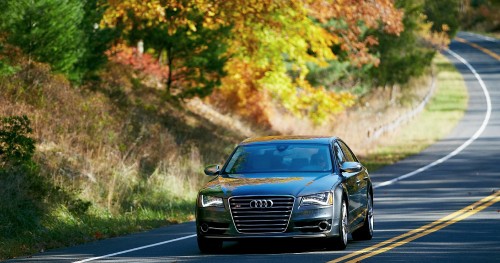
[61, 228]
[440, 116]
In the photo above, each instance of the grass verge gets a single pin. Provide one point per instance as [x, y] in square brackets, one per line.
[61, 228]
[446, 108]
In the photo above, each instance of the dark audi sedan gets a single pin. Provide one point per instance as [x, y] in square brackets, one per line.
[286, 187]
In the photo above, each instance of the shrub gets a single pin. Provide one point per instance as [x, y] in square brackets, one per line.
[21, 188]
[15, 145]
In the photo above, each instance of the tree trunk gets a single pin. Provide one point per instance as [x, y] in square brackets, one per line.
[170, 62]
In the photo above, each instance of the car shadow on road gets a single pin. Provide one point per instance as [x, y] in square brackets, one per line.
[274, 246]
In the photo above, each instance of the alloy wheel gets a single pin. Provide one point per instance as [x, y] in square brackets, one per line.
[344, 223]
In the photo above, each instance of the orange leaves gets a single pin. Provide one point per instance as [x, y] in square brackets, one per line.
[271, 43]
[240, 93]
[145, 63]
[250, 91]
[355, 17]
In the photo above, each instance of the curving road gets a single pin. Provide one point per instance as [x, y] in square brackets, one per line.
[442, 205]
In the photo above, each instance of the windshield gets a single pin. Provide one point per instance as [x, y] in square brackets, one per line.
[280, 158]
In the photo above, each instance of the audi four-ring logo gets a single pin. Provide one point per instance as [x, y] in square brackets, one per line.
[261, 203]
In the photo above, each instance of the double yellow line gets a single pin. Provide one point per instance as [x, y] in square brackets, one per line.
[422, 231]
[450, 219]
[485, 50]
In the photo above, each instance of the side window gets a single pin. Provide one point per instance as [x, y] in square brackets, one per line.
[347, 152]
[338, 153]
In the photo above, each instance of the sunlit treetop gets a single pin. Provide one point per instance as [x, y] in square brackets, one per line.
[352, 18]
[274, 39]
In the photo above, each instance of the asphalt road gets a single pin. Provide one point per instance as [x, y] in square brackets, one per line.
[448, 211]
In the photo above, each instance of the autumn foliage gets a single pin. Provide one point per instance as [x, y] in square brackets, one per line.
[146, 63]
[270, 44]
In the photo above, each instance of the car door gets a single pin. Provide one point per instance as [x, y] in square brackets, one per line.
[361, 184]
[350, 180]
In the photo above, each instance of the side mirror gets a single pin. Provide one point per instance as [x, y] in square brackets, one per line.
[351, 167]
[213, 169]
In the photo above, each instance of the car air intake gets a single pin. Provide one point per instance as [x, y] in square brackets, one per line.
[261, 214]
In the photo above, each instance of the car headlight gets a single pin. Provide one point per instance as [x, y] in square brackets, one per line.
[325, 198]
[207, 200]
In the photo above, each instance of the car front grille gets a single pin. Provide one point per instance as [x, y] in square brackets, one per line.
[255, 214]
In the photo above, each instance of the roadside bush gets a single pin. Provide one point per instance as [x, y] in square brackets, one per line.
[22, 189]
[15, 145]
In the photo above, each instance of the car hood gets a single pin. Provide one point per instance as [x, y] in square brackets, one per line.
[295, 184]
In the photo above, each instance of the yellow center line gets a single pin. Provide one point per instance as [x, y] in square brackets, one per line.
[485, 50]
[422, 231]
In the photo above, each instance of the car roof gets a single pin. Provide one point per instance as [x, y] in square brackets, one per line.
[290, 139]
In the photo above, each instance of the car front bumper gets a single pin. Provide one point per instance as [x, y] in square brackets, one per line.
[305, 222]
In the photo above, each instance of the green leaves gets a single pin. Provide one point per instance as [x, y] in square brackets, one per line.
[403, 56]
[269, 48]
[46, 30]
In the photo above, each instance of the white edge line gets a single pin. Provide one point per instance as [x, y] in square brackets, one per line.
[465, 144]
[135, 249]
[455, 152]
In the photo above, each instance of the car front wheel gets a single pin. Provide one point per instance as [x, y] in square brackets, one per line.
[340, 242]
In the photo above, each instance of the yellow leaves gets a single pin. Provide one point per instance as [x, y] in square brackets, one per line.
[438, 40]
[445, 28]
[191, 25]
[140, 14]
[249, 91]
[317, 103]
[355, 17]
[271, 42]
[119, 12]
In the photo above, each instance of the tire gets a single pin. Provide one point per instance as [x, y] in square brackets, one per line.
[366, 231]
[209, 245]
[340, 242]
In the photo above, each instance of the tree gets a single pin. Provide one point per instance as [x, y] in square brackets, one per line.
[359, 24]
[276, 42]
[195, 59]
[480, 15]
[403, 56]
[271, 42]
[46, 30]
[444, 15]
[96, 40]
[193, 52]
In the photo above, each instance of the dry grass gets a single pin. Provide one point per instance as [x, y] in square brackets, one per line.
[117, 138]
